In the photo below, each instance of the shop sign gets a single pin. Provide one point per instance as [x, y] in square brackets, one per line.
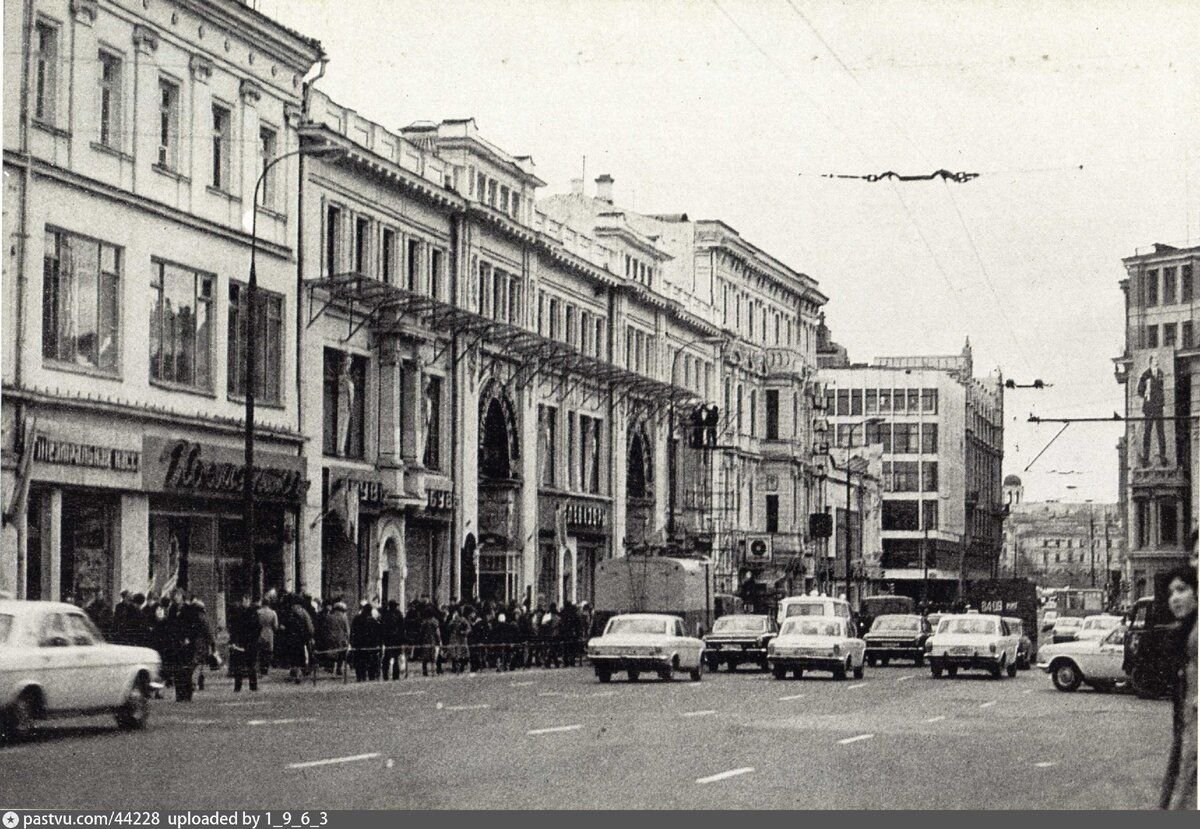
[184, 466]
[589, 516]
[68, 453]
[439, 500]
[370, 491]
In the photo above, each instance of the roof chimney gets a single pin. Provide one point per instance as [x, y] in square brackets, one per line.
[604, 188]
[577, 186]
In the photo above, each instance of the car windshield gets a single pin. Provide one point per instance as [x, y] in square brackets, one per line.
[897, 623]
[650, 626]
[977, 626]
[749, 624]
[811, 628]
[805, 609]
[1067, 622]
[1100, 623]
[1014, 627]
[6, 626]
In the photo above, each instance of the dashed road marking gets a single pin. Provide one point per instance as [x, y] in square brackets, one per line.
[521, 684]
[859, 738]
[246, 702]
[476, 707]
[1027, 691]
[553, 729]
[905, 678]
[281, 722]
[354, 758]
[725, 775]
[550, 693]
[857, 685]
[935, 719]
[703, 713]
[410, 694]
[1045, 764]
[791, 697]
[988, 704]
[187, 721]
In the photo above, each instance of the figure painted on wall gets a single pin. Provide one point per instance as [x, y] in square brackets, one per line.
[1150, 389]
[426, 422]
[345, 405]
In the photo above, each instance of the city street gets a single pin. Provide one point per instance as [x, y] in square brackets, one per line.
[559, 738]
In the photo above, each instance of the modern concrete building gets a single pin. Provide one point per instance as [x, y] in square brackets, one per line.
[941, 431]
[1160, 452]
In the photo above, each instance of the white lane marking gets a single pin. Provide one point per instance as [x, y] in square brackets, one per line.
[521, 684]
[351, 759]
[725, 775]
[935, 719]
[1045, 764]
[184, 721]
[703, 713]
[852, 687]
[850, 740]
[247, 702]
[905, 678]
[550, 693]
[988, 704]
[1027, 691]
[793, 696]
[533, 732]
[603, 694]
[409, 694]
[474, 707]
[281, 722]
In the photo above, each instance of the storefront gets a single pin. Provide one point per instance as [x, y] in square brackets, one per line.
[427, 548]
[573, 535]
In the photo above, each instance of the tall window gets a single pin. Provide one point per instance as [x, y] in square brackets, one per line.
[1151, 336]
[413, 265]
[554, 303]
[885, 400]
[929, 476]
[1151, 288]
[221, 125]
[433, 424]
[362, 245]
[929, 438]
[547, 444]
[268, 147]
[929, 401]
[772, 404]
[168, 123]
[930, 518]
[81, 300]
[46, 69]
[753, 412]
[879, 433]
[600, 337]
[771, 508]
[268, 358]
[589, 454]
[181, 326]
[387, 254]
[1168, 522]
[856, 402]
[110, 99]
[872, 401]
[1168, 334]
[436, 258]
[1168, 286]
[1187, 340]
[333, 239]
[345, 383]
[1185, 283]
[843, 402]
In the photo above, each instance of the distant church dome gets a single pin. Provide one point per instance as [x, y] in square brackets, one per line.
[1011, 480]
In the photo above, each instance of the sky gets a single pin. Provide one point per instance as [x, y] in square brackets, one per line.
[1077, 116]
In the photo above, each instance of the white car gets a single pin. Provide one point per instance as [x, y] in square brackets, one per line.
[816, 642]
[54, 662]
[1097, 627]
[636, 642]
[972, 641]
[1093, 662]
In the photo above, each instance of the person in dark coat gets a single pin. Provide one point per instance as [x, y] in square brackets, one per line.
[1179, 784]
[431, 642]
[296, 627]
[548, 638]
[503, 633]
[244, 642]
[366, 639]
[393, 640]
[569, 633]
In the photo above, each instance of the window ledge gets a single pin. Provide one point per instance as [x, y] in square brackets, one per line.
[170, 386]
[225, 194]
[101, 147]
[170, 173]
[351, 458]
[76, 368]
[274, 214]
[259, 403]
[46, 126]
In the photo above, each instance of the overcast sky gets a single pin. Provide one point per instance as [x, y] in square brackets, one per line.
[733, 109]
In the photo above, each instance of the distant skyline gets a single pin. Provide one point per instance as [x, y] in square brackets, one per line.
[735, 109]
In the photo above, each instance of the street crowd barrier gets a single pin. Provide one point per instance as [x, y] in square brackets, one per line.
[387, 661]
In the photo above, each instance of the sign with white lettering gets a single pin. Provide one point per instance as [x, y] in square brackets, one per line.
[439, 500]
[68, 453]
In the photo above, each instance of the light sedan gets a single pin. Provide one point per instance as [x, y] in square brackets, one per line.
[1093, 662]
[972, 641]
[54, 662]
[636, 642]
[1098, 626]
[823, 644]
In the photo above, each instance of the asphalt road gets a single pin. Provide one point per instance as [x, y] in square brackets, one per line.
[560, 739]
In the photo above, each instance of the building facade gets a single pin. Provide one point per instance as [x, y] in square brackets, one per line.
[1158, 460]
[941, 432]
[130, 172]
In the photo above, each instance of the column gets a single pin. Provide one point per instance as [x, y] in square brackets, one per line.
[412, 380]
[391, 418]
[618, 423]
[528, 504]
[51, 551]
[131, 554]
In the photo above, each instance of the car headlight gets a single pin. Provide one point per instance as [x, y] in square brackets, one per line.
[656, 651]
[837, 650]
[992, 647]
[928, 646]
[771, 649]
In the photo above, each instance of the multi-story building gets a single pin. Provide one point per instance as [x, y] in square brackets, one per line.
[1160, 451]
[130, 167]
[749, 348]
[941, 431]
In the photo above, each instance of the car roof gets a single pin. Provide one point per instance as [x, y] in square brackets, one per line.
[898, 616]
[991, 616]
[743, 616]
[662, 617]
[20, 607]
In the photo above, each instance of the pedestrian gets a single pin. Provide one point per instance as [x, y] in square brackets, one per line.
[296, 628]
[458, 642]
[1179, 785]
[366, 639]
[245, 639]
[206, 649]
[502, 634]
[431, 642]
[568, 633]
[268, 625]
[393, 640]
[548, 636]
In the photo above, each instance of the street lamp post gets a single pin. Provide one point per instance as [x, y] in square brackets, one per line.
[248, 508]
[671, 433]
[1092, 539]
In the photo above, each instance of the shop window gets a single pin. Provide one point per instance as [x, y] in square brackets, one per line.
[81, 290]
[433, 424]
[771, 400]
[268, 368]
[87, 549]
[771, 508]
[181, 318]
[345, 385]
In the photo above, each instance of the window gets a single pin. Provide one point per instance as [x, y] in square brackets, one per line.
[929, 476]
[220, 147]
[872, 402]
[387, 254]
[1151, 336]
[503, 199]
[516, 205]
[904, 476]
[345, 381]
[901, 515]
[843, 402]
[1168, 286]
[905, 438]
[1168, 522]
[930, 515]
[771, 508]
[572, 328]
[898, 400]
[268, 353]
[547, 444]
[885, 401]
[168, 124]
[739, 410]
[1168, 334]
[514, 300]
[929, 438]
[879, 433]
[929, 401]
[600, 337]
[573, 453]
[268, 146]
[181, 326]
[436, 259]
[433, 424]
[46, 68]
[1151, 288]
[554, 303]
[1142, 523]
[491, 192]
[362, 245]
[753, 412]
[771, 402]
[1187, 338]
[110, 99]
[81, 301]
[856, 402]
[333, 241]
[589, 454]
[914, 400]
[1185, 283]
[413, 266]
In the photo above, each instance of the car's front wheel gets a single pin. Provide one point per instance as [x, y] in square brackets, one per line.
[1012, 669]
[712, 662]
[633, 675]
[1066, 676]
[858, 672]
[17, 722]
[694, 674]
[779, 672]
[603, 674]
[936, 670]
[135, 713]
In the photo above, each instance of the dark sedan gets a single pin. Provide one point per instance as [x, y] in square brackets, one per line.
[897, 636]
[739, 638]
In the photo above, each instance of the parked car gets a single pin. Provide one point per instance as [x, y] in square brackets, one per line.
[1093, 662]
[636, 642]
[814, 606]
[739, 638]
[897, 636]
[972, 641]
[1148, 644]
[1066, 628]
[1098, 626]
[1024, 643]
[823, 643]
[55, 663]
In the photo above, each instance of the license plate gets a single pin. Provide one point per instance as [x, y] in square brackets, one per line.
[960, 651]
